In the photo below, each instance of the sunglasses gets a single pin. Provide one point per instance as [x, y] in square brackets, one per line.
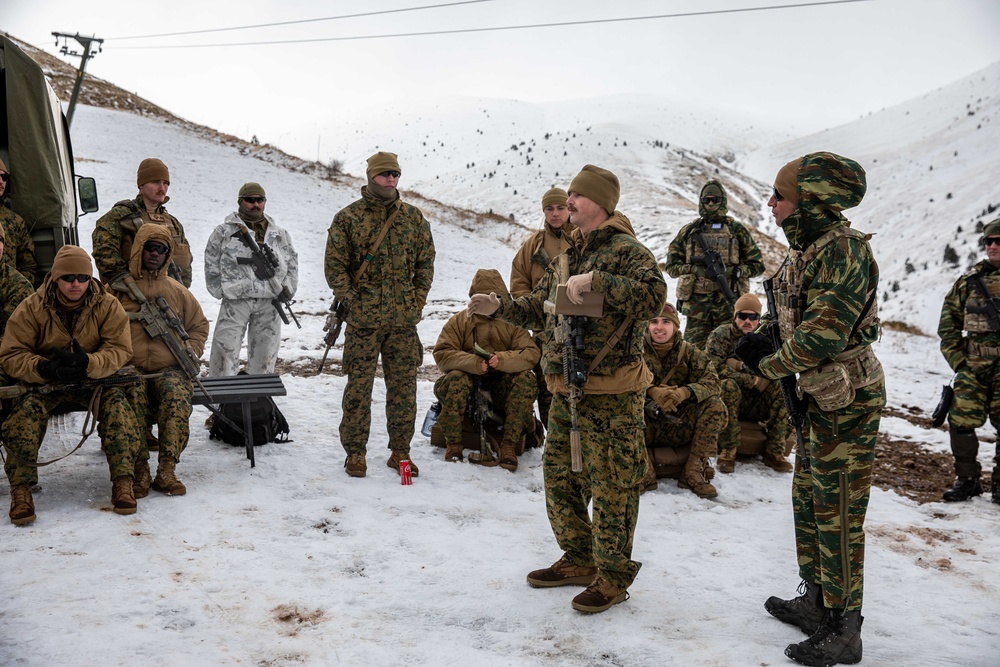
[391, 172]
[753, 317]
[993, 240]
[255, 200]
[4, 176]
[710, 200]
[75, 277]
[158, 248]
[777, 195]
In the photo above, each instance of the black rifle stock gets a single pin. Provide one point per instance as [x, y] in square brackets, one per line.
[715, 268]
[334, 324]
[793, 406]
[989, 307]
[481, 409]
[263, 262]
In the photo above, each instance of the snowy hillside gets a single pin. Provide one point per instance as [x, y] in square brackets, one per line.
[932, 166]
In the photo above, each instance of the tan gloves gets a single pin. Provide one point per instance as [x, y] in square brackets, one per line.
[761, 384]
[669, 398]
[735, 364]
[577, 285]
[483, 304]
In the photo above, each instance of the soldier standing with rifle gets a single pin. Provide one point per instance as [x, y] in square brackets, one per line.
[825, 301]
[251, 265]
[605, 258]
[972, 306]
[151, 298]
[714, 259]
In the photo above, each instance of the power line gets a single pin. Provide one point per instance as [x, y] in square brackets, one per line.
[316, 20]
[500, 28]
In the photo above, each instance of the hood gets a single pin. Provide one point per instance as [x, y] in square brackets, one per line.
[486, 281]
[149, 232]
[827, 184]
[613, 225]
[713, 187]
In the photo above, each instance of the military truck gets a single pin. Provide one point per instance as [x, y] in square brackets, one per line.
[35, 146]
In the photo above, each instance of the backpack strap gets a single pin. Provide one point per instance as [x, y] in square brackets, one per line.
[381, 236]
[610, 343]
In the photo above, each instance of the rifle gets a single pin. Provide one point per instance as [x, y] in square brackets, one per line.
[481, 409]
[123, 377]
[715, 268]
[334, 323]
[989, 307]
[793, 406]
[264, 262]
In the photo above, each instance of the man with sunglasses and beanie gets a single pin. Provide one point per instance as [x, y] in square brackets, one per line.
[71, 329]
[699, 296]
[164, 400]
[20, 246]
[247, 306]
[605, 257]
[970, 342]
[115, 231]
[380, 265]
[747, 395]
[826, 293]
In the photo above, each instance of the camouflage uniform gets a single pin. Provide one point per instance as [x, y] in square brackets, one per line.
[974, 358]
[737, 391]
[384, 310]
[511, 384]
[113, 236]
[610, 413]
[826, 293]
[701, 418]
[14, 288]
[699, 297]
[246, 299]
[19, 248]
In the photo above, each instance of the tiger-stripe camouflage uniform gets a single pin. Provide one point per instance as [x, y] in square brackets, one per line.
[385, 307]
[606, 257]
[826, 293]
[507, 375]
[974, 357]
[700, 298]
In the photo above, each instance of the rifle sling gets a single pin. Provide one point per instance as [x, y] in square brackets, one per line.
[89, 425]
[381, 237]
[610, 343]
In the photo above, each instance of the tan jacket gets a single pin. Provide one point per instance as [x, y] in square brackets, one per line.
[35, 327]
[534, 256]
[150, 354]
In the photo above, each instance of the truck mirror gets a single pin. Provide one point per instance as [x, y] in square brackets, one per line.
[87, 187]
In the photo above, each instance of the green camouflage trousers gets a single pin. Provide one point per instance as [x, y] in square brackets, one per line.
[165, 401]
[977, 398]
[402, 355]
[25, 429]
[614, 462]
[760, 406]
[696, 424]
[705, 312]
[835, 491]
[513, 396]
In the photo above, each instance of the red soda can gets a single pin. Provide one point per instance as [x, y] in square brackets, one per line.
[405, 477]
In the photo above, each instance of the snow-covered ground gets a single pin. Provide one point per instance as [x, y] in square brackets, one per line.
[294, 563]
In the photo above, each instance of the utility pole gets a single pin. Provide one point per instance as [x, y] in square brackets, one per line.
[86, 43]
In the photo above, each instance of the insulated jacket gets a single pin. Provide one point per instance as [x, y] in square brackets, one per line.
[149, 354]
[530, 262]
[226, 278]
[115, 231]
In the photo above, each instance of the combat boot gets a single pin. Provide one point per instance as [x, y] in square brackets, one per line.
[166, 480]
[508, 460]
[693, 478]
[122, 496]
[396, 457]
[726, 461]
[22, 506]
[152, 442]
[776, 461]
[454, 451]
[963, 489]
[836, 641]
[805, 611]
[562, 573]
[141, 480]
[356, 465]
[600, 595]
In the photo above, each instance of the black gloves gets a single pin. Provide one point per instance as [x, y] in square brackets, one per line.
[752, 348]
[76, 359]
[67, 366]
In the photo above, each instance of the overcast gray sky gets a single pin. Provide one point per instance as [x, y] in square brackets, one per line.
[808, 67]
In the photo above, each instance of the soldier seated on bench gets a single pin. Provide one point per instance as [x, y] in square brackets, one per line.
[505, 371]
[684, 414]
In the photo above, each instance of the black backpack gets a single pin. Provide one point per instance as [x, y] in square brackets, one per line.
[266, 423]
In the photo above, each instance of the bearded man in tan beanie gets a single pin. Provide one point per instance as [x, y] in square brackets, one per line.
[20, 246]
[605, 257]
[748, 397]
[70, 330]
[380, 264]
[115, 231]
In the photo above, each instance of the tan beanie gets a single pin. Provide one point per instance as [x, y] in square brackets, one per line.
[151, 169]
[670, 313]
[554, 197]
[251, 189]
[382, 162]
[747, 303]
[787, 181]
[598, 185]
[71, 259]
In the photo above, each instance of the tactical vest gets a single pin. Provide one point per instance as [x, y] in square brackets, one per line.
[131, 223]
[978, 323]
[720, 238]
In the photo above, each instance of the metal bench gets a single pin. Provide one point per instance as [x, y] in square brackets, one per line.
[243, 389]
